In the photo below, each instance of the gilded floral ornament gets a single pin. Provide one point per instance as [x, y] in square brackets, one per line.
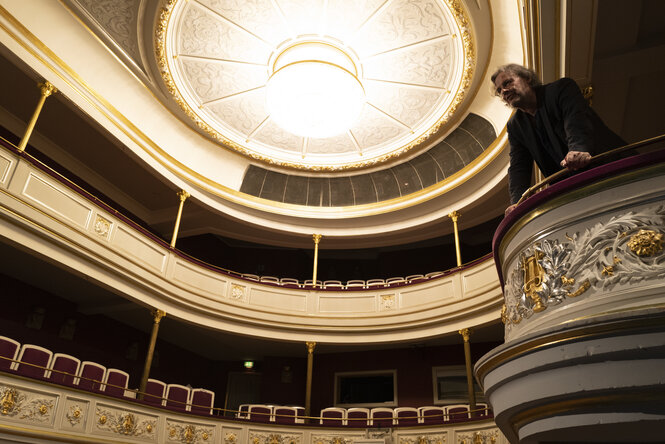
[190, 433]
[25, 405]
[646, 243]
[623, 250]
[125, 423]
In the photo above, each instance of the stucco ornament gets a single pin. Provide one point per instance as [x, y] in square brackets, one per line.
[623, 250]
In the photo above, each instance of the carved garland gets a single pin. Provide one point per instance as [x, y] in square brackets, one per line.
[17, 404]
[625, 250]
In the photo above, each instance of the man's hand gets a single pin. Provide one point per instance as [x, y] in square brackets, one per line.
[575, 160]
[509, 209]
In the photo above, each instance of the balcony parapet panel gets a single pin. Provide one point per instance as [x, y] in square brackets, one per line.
[587, 245]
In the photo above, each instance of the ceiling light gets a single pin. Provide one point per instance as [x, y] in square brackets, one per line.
[314, 90]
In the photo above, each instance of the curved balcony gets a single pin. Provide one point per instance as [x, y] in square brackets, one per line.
[48, 215]
[583, 271]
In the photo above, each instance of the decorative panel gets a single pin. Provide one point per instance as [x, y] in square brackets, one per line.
[7, 163]
[347, 304]
[479, 279]
[139, 247]
[274, 299]
[125, 423]
[189, 432]
[28, 406]
[213, 284]
[76, 414]
[57, 201]
[423, 295]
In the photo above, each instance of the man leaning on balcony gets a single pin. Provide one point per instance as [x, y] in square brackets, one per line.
[553, 125]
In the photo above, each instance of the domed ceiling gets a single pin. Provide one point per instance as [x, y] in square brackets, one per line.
[414, 60]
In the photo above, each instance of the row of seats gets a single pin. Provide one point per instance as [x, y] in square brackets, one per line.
[401, 416]
[280, 414]
[351, 284]
[40, 363]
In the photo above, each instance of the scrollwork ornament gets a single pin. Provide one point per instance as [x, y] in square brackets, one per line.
[623, 250]
[125, 423]
[191, 434]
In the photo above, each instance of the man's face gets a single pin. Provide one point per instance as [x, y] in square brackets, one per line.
[512, 89]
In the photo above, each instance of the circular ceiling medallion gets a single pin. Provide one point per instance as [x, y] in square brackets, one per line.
[406, 64]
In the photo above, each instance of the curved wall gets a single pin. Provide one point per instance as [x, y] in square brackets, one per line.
[50, 218]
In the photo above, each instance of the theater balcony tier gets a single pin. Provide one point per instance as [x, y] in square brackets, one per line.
[582, 268]
[49, 217]
[34, 411]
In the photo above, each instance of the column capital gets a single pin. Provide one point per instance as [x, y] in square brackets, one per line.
[317, 238]
[454, 215]
[183, 195]
[47, 88]
[310, 347]
[466, 334]
[157, 315]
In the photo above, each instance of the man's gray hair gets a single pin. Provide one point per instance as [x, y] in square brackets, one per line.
[513, 68]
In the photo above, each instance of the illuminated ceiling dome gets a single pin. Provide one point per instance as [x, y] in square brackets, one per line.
[411, 59]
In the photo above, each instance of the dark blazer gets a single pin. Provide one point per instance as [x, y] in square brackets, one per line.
[563, 122]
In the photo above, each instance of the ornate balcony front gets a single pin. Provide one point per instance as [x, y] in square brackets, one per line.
[583, 273]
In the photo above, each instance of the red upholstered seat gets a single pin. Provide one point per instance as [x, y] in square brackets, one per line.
[177, 396]
[381, 417]
[285, 415]
[260, 413]
[458, 413]
[91, 376]
[8, 350]
[34, 361]
[406, 416]
[432, 415]
[154, 392]
[64, 369]
[357, 417]
[202, 401]
[333, 416]
[116, 382]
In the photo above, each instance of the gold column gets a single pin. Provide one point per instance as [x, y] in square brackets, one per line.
[310, 366]
[157, 316]
[466, 333]
[182, 195]
[46, 89]
[454, 216]
[317, 239]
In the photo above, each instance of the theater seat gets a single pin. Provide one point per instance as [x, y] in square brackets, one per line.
[357, 417]
[381, 417]
[8, 350]
[432, 414]
[90, 376]
[154, 392]
[177, 397]
[202, 401]
[406, 416]
[34, 361]
[285, 415]
[260, 413]
[333, 416]
[116, 382]
[64, 369]
[458, 413]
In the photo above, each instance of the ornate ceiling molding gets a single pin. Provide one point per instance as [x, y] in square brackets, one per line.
[213, 56]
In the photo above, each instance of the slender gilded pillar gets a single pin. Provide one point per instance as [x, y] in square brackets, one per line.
[182, 195]
[46, 89]
[317, 239]
[466, 333]
[157, 316]
[310, 367]
[454, 216]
